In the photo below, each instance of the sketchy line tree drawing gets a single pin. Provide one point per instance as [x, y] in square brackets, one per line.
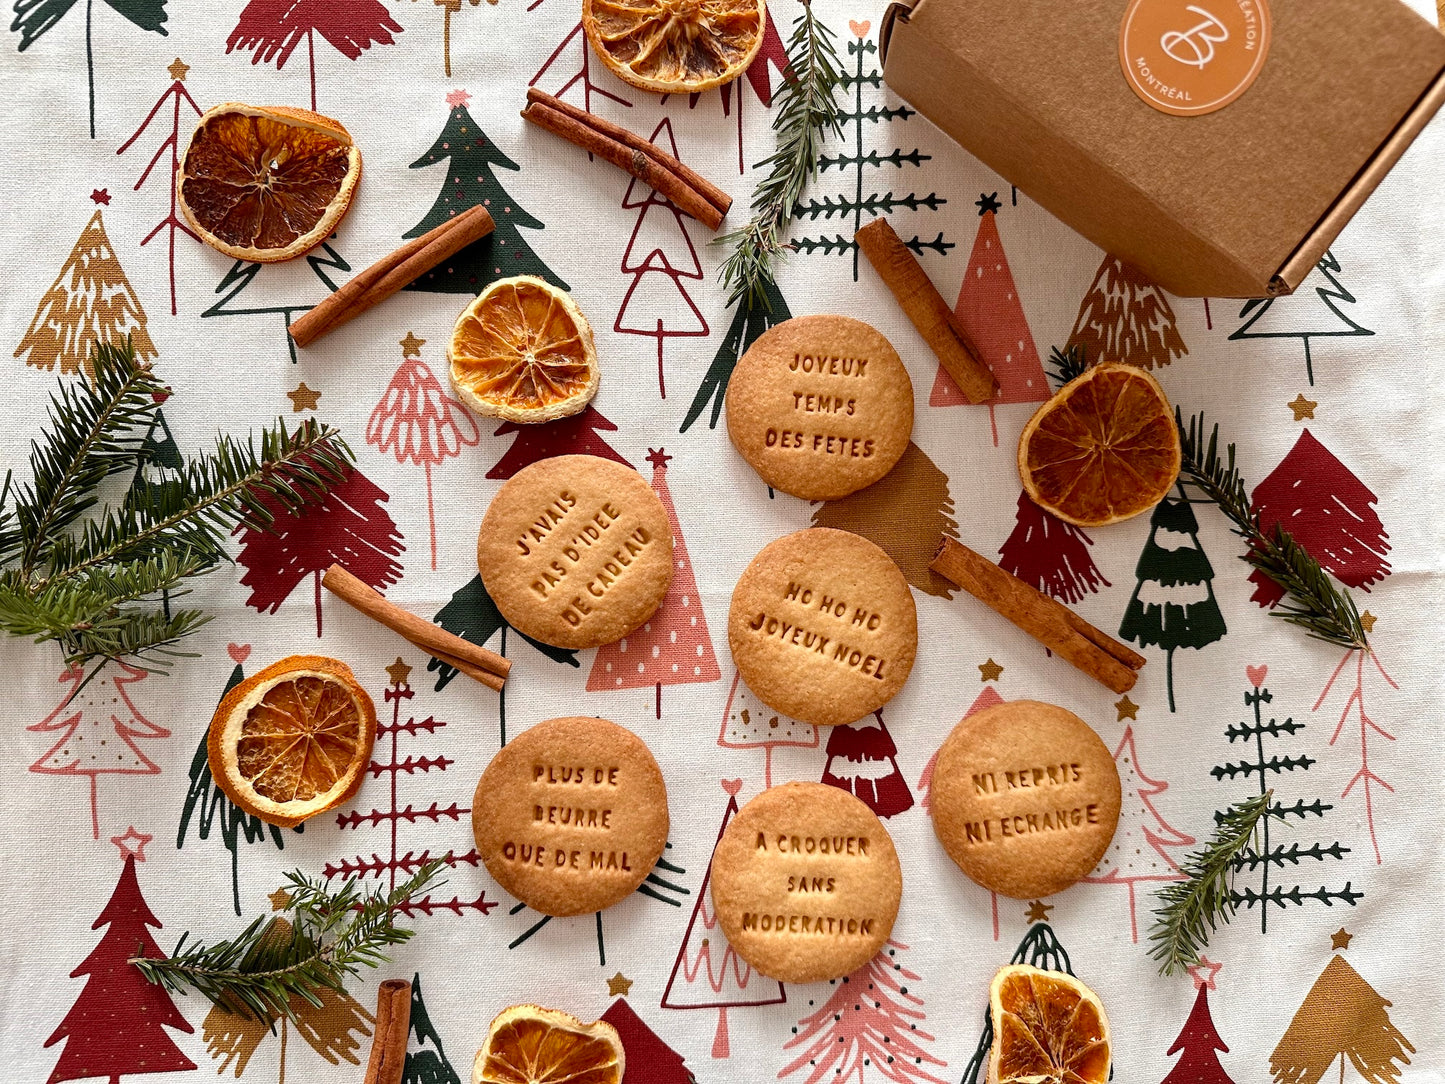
[748, 723]
[242, 275]
[575, 45]
[1125, 317]
[1365, 776]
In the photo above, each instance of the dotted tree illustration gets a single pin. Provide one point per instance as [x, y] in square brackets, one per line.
[748, 723]
[1049, 554]
[1365, 776]
[242, 275]
[707, 973]
[427, 1063]
[91, 301]
[271, 30]
[1199, 1044]
[657, 1063]
[450, 8]
[175, 94]
[573, 61]
[1312, 312]
[863, 760]
[1125, 317]
[749, 321]
[852, 209]
[1263, 857]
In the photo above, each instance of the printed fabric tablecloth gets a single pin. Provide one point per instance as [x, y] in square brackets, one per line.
[116, 833]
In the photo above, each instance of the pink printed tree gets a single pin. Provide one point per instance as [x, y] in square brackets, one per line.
[581, 434]
[871, 1020]
[863, 760]
[748, 723]
[707, 973]
[418, 422]
[1141, 845]
[1049, 554]
[989, 309]
[90, 720]
[560, 82]
[1367, 725]
[1125, 317]
[673, 647]
[659, 256]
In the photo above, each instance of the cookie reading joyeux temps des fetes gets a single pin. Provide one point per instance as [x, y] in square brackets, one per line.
[1025, 798]
[571, 816]
[823, 627]
[806, 883]
[820, 406]
[576, 551]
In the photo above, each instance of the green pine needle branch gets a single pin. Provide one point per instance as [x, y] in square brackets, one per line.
[805, 110]
[330, 934]
[1191, 909]
[1067, 364]
[1313, 600]
[92, 577]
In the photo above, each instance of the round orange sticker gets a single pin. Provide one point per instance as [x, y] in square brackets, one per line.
[1189, 57]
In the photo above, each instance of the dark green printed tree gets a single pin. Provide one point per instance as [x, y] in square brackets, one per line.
[427, 1063]
[242, 276]
[470, 180]
[749, 321]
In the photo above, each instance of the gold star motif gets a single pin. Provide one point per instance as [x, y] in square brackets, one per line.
[398, 672]
[1127, 709]
[411, 345]
[989, 671]
[1039, 911]
[280, 899]
[618, 985]
[178, 69]
[1367, 621]
[303, 398]
[1302, 407]
[1340, 939]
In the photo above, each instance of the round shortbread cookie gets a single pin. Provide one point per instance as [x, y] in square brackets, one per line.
[1025, 798]
[806, 883]
[820, 406]
[823, 627]
[576, 551]
[571, 815]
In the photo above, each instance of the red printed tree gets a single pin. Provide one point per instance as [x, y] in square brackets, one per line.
[707, 973]
[574, 48]
[673, 647]
[1125, 317]
[91, 720]
[1140, 849]
[649, 1059]
[1201, 1045]
[863, 760]
[748, 723]
[349, 528]
[870, 1020]
[1049, 554]
[659, 256]
[1365, 776]
[1329, 512]
[581, 434]
[989, 309]
[117, 1025]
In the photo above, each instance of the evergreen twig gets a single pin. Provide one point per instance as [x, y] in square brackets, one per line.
[1067, 364]
[331, 934]
[1191, 909]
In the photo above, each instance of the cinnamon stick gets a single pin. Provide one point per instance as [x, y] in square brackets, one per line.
[693, 194]
[391, 273]
[1047, 620]
[476, 662]
[926, 310]
[388, 1041]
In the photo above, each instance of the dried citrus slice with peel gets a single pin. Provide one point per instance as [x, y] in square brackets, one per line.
[266, 183]
[1048, 1028]
[672, 46]
[528, 1044]
[1103, 449]
[293, 740]
[524, 352]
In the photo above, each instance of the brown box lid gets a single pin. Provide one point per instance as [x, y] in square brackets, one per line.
[1240, 202]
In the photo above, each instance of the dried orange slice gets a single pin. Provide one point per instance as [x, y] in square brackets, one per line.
[266, 183]
[1048, 1028]
[675, 45]
[293, 740]
[524, 352]
[1103, 449]
[528, 1044]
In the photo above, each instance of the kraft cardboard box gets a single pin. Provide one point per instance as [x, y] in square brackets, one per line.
[1218, 145]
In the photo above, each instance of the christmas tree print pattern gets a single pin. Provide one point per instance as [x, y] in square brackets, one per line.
[863, 760]
[649, 1059]
[749, 321]
[1312, 312]
[1049, 554]
[450, 8]
[1199, 1044]
[748, 723]
[560, 83]
[1365, 777]
[581, 434]
[1125, 317]
[242, 276]
[426, 1062]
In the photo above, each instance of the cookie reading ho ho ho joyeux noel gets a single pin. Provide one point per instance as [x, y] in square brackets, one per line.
[576, 551]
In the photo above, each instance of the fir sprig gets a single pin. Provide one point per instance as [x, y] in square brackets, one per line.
[1313, 601]
[1191, 909]
[805, 111]
[1067, 364]
[331, 934]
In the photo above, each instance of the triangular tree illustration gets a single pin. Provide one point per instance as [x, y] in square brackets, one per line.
[175, 94]
[426, 1062]
[117, 1025]
[1312, 312]
[158, 471]
[659, 256]
[749, 321]
[1140, 849]
[573, 60]
[34, 17]
[1328, 510]
[863, 760]
[673, 647]
[1365, 777]
[271, 29]
[450, 8]
[1198, 1044]
[988, 307]
[1173, 603]
[904, 517]
[350, 528]
[469, 179]
[1049, 554]
[418, 422]
[707, 973]
[581, 434]
[655, 1062]
[243, 275]
[91, 301]
[210, 808]
[1125, 317]
[748, 723]
[1342, 1018]
[99, 725]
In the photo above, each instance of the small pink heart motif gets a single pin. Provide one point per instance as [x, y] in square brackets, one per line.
[1256, 674]
[239, 652]
[732, 786]
[860, 30]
